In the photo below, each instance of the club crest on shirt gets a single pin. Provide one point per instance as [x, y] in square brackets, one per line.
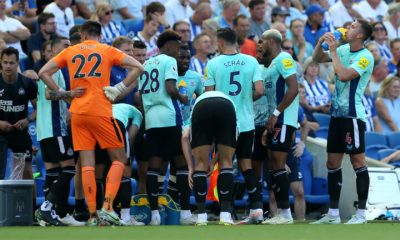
[21, 91]
[363, 62]
[287, 63]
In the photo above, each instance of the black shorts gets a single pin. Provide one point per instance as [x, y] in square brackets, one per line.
[19, 142]
[139, 147]
[259, 151]
[282, 139]
[245, 144]
[214, 120]
[101, 155]
[346, 135]
[57, 149]
[164, 142]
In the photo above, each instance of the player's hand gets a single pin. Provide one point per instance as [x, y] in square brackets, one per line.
[184, 99]
[6, 126]
[113, 92]
[331, 41]
[78, 92]
[21, 124]
[190, 178]
[270, 125]
[298, 149]
[264, 140]
[287, 168]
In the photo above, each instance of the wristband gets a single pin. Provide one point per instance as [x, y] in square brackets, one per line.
[276, 113]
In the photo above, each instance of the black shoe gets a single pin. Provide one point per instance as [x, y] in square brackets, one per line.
[48, 218]
[81, 216]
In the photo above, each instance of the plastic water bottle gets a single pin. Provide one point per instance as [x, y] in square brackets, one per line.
[339, 33]
[182, 87]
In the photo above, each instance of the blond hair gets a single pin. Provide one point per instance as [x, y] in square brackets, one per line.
[101, 9]
[386, 84]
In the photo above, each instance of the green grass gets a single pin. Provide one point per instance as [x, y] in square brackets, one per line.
[300, 231]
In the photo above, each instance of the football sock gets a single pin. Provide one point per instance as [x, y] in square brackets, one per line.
[125, 193]
[362, 182]
[99, 193]
[161, 181]
[113, 181]
[200, 189]
[172, 189]
[152, 187]
[225, 189]
[182, 183]
[60, 189]
[51, 176]
[80, 205]
[251, 186]
[280, 186]
[89, 187]
[334, 186]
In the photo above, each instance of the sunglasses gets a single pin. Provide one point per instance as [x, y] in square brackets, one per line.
[287, 48]
[379, 29]
[109, 12]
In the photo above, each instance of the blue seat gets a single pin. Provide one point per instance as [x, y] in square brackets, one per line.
[393, 139]
[23, 64]
[372, 150]
[323, 119]
[79, 21]
[373, 138]
[322, 132]
[132, 26]
[384, 153]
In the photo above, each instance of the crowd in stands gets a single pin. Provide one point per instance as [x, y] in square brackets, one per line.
[30, 26]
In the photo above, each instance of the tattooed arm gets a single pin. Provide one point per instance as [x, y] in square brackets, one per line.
[56, 95]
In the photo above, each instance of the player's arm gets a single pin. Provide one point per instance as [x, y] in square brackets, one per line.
[46, 74]
[319, 55]
[187, 153]
[173, 92]
[132, 132]
[377, 124]
[258, 90]
[209, 82]
[60, 94]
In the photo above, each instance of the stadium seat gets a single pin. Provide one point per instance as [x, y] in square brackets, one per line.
[393, 139]
[384, 153]
[373, 143]
[322, 132]
[372, 150]
[39, 190]
[397, 147]
[132, 26]
[323, 119]
[79, 21]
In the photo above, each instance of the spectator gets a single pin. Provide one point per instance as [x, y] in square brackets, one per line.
[109, 29]
[127, 9]
[294, 13]
[230, 9]
[139, 51]
[301, 47]
[203, 47]
[177, 10]
[149, 35]
[12, 31]
[258, 23]
[157, 10]
[312, 121]
[86, 7]
[328, 19]
[287, 46]
[279, 14]
[395, 50]
[202, 12]
[24, 11]
[379, 35]
[343, 11]
[388, 104]
[210, 28]
[3, 45]
[373, 48]
[318, 94]
[45, 53]
[379, 73]
[372, 10]
[183, 29]
[392, 157]
[392, 23]
[281, 27]
[241, 26]
[64, 16]
[372, 123]
[47, 31]
[314, 29]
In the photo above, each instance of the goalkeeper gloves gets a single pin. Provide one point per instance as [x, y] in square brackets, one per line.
[298, 149]
[113, 92]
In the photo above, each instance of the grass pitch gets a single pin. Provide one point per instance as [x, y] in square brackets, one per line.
[298, 231]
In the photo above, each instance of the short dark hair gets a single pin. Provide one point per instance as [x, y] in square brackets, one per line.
[74, 29]
[139, 44]
[155, 7]
[237, 18]
[253, 3]
[92, 28]
[43, 17]
[176, 24]
[45, 44]
[227, 34]
[10, 51]
[393, 41]
[167, 36]
[75, 38]
[366, 28]
[57, 40]
[184, 47]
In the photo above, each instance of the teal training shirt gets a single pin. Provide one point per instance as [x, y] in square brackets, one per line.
[261, 107]
[159, 108]
[127, 114]
[234, 75]
[51, 117]
[194, 84]
[281, 67]
[347, 97]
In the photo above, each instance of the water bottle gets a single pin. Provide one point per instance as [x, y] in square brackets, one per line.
[182, 87]
[339, 33]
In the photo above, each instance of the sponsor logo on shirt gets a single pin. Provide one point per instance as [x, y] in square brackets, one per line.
[287, 63]
[363, 62]
[206, 73]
